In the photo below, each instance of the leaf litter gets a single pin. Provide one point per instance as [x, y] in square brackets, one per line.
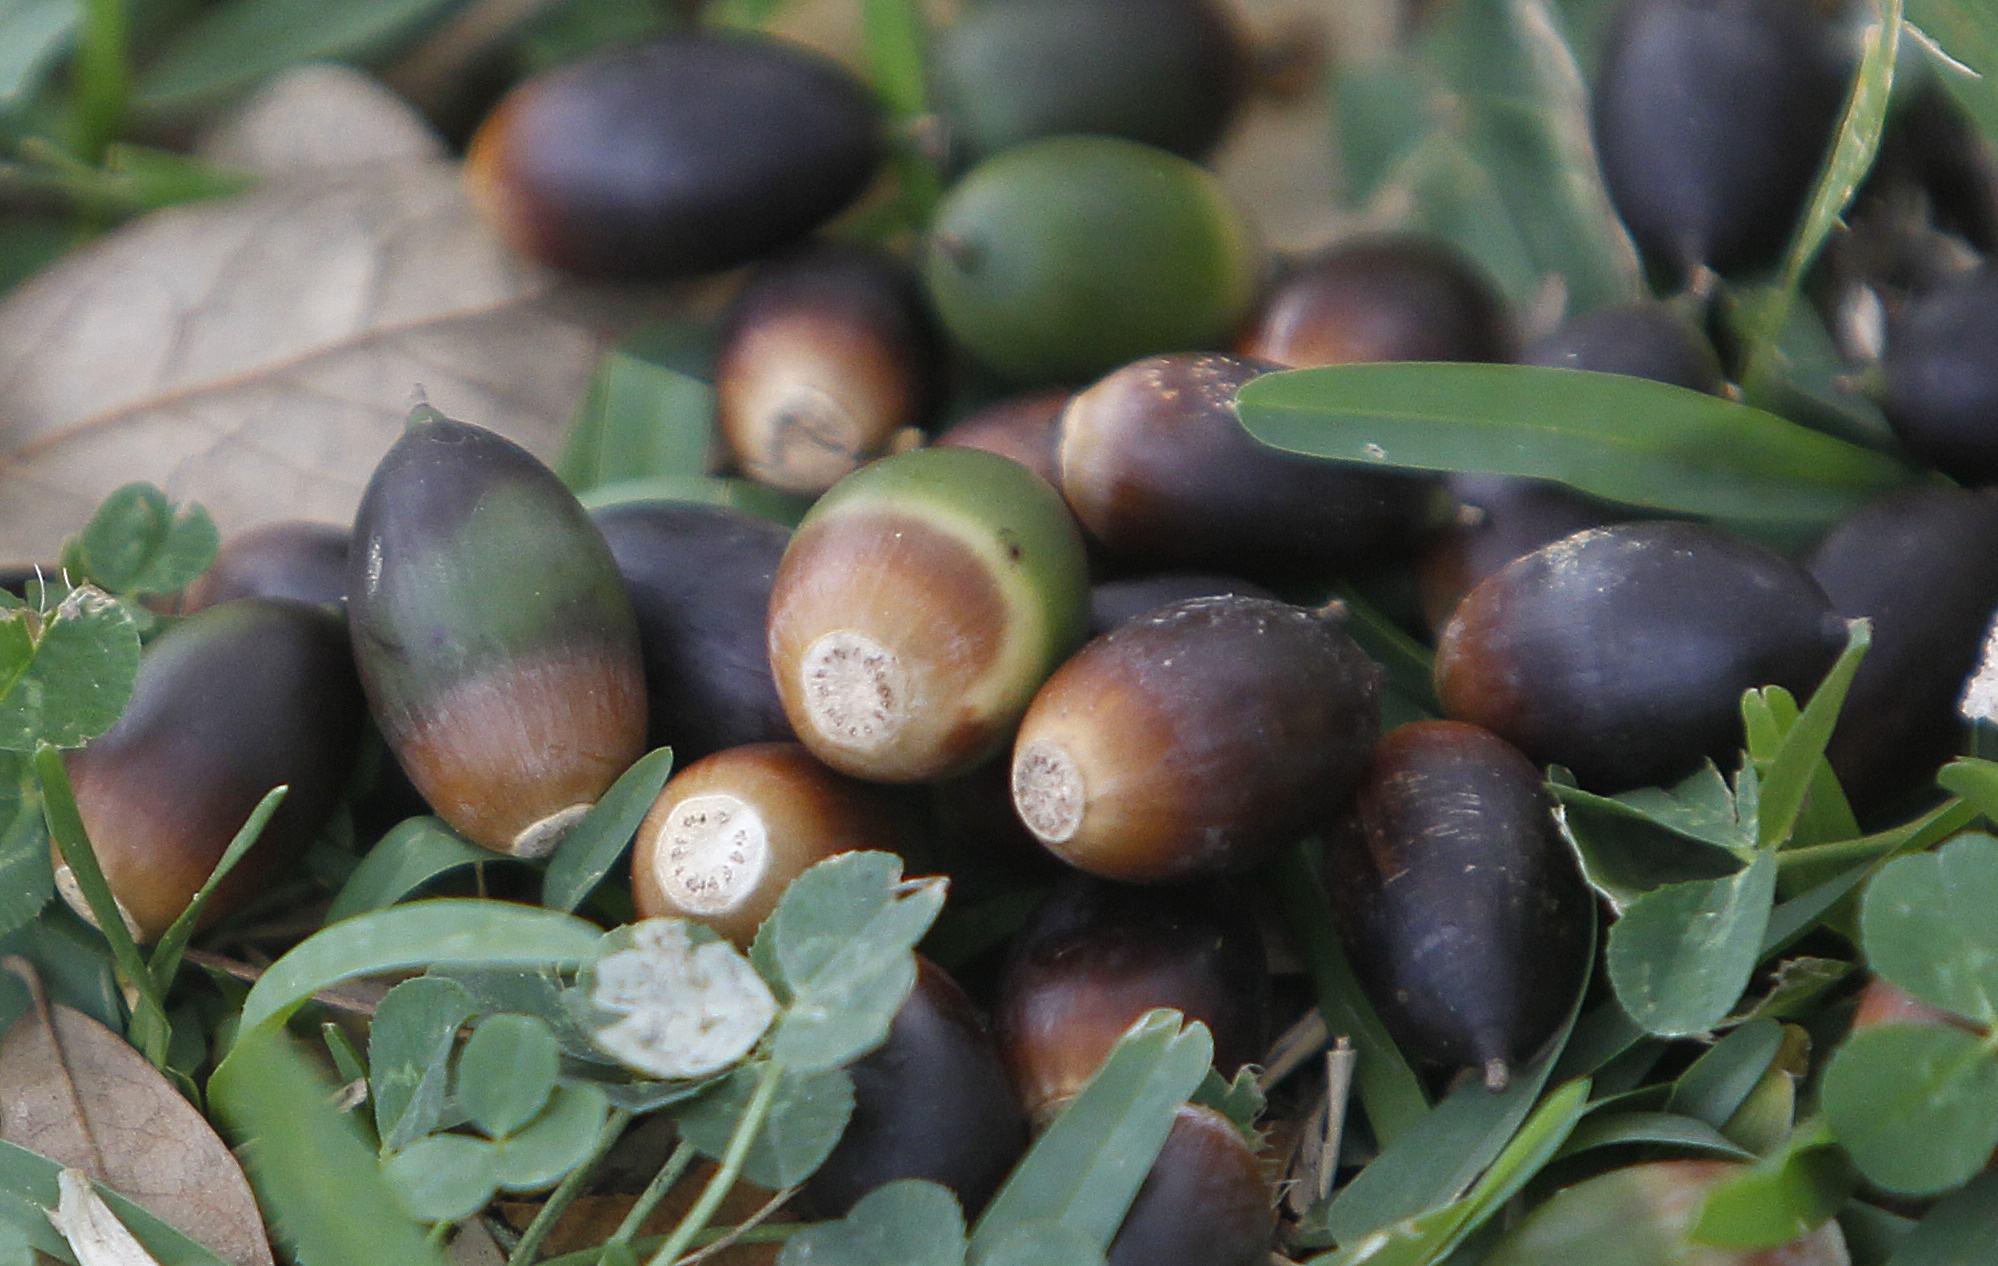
[79, 1094]
[258, 353]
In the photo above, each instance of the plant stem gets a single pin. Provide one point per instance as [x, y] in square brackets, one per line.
[566, 1191]
[103, 79]
[724, 1177]
[648, 1200]
[149, 1029]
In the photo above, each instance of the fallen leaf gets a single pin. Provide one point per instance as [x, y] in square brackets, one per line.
[80, 1095]
[259, 353]
[92, 1231]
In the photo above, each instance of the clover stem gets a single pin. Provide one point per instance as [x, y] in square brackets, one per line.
[648, 1200]
[566, 1191]
[149, 1029]
[724, 1177]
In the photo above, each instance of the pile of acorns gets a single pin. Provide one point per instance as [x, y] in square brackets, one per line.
[1046, 566]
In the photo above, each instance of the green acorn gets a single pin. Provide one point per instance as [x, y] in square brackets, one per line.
[494, 636]
[920, 604]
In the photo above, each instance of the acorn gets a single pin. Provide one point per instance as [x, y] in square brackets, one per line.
[1025, 427]
[933, 1101]
[1115, 602]
[921, 602]
[1463, 912]
[1644, 1215]
[678, 155]
[699, 578]
[290, 558]
[825, 357]
[243, 697]
[1159, 469]
[1940, 375]
[1095, 956]
[1378, 299]
[1206, 1202]
[1922, 565]
[493, 636]
[1622, 652]
[1196, 739]
[1060, 259]
[729, 832]
[1167, 72]
[1499, 517]
[1711, 120]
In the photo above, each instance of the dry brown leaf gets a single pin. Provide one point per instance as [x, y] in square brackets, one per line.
[78, 1093]
[259, 353]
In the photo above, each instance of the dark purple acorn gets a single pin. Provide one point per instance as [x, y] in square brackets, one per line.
[1922, 565]
[287, 559]
[934, 1101]
[1097, 955]
[1206, 1201]
[1712, 118]
[699, 577]
[229, 703]
[1622, 652]
[1463, 912]
[494, 636]
[680, 155]
[1941, 378]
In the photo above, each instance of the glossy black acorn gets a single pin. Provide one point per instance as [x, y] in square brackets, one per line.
[1206, 1201]
[1642, 339]
[1165, 72]
[699, 577]
[826, 357]
[1115, 602]
[1941, 376]
[1712, 118]
[1024, 427]
[287, 559]
[1096, 956]
[1156, 464]
[493, 635]
[1196, 739]
[1379, 299]
[1621, 652]
[1462, 910]
[934, 1101]
[229, 703]
[1922, 566]
[679, 155]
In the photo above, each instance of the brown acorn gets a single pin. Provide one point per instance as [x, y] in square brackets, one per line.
[1158, 467]
[826, 356]
[1379, 299]
[729, 833]
[1097, 955]
[493, 635]
[229, 703]
[920, 604]
[1196, 739]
